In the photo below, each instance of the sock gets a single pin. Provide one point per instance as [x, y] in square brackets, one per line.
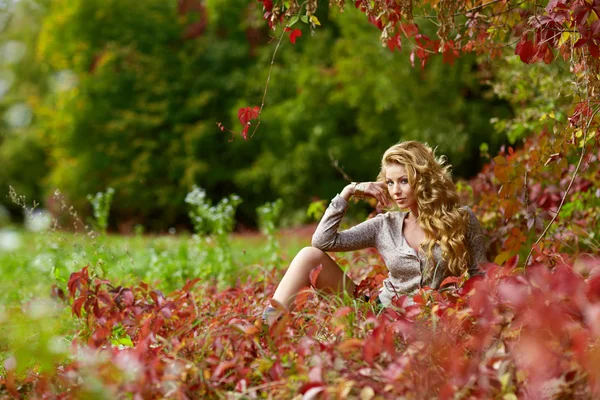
[268, 311]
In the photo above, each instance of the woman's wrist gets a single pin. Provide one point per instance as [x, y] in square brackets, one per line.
[348, 191]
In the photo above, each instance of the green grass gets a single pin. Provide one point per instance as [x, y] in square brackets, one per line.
[48, 258]
[38, 330]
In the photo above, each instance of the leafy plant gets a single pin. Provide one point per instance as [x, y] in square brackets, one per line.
[268, 215]
[213, 224]
[101, 203]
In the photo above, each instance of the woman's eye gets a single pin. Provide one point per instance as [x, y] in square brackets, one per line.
[405, 181]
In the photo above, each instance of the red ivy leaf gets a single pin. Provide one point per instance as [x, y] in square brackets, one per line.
[295, 34]
[450, 280]
[245, 115]
[342, 312]
[312, 390]
[409, 30]
[222, 367]
[76, 307]
[276, 371]
[394, 42]
[302, 297]
[267, 4]
[127, 299]
[190, 284]
[314, 274]
[75, 280]
[316, 374]
[525, 50]
[593, 288]
[449, 52]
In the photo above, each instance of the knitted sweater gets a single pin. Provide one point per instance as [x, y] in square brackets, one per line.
[408, 269]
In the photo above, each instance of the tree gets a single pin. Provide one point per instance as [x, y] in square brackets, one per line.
[561, 32]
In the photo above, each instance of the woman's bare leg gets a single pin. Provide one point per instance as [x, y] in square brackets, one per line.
[331, 278]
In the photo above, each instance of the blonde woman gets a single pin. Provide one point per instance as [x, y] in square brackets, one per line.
[430, 238]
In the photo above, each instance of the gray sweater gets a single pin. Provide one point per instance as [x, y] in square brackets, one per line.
[408, 270]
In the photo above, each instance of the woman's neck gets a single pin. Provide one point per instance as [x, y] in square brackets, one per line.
[413, 215]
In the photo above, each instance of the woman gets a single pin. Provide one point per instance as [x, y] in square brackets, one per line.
[430, 238]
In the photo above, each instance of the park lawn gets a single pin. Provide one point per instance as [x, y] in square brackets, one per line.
[45, 259]
[36, 272]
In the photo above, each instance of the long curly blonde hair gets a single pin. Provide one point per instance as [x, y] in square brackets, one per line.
[440, 217]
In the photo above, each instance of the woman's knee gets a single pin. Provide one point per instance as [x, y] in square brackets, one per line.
[311, 255]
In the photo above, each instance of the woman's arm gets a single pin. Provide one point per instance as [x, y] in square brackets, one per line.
[327, 237]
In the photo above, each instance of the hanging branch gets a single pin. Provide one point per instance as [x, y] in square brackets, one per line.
[562, 201]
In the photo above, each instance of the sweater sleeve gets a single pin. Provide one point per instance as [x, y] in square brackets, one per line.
[327, 237]
[476, 243]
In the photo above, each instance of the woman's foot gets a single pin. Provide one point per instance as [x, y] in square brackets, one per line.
[270, 315]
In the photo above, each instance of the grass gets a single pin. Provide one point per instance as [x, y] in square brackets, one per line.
[46, 259]
[38, 330]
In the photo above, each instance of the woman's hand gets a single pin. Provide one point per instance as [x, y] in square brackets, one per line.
[376, 190]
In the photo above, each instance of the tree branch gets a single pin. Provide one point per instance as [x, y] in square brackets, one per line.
[336, 165]
[262, 104]
[589, 123]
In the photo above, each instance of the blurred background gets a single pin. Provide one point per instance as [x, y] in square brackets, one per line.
[116, 93]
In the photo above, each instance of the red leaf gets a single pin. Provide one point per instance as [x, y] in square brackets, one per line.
[76, 279]
[447, 391]
[314, 274]
[276, 371]
[127, 298]
[394, 42]
[449, 52]
[409, 30]
[295, 33]
[302, 297]
[76, 307]
[245, 132]
[311, 390]
[449, 280]
[342, 312]
[190, 284]
[593, 288]
[245, 115]
[525, 50]
[158, 298]
[315, 374]
[594, 50]
[222, 367]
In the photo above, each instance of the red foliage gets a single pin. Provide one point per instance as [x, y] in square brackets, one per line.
[246, 115]
[294, 34]
[528, 333]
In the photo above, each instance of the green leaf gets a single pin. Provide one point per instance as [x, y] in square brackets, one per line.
[304, 19]
[294, 19]
[125, 341]
[502, 257]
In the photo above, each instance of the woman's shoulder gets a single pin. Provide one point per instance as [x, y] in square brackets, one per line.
[474, 224]
[468, 210]
[392, 215]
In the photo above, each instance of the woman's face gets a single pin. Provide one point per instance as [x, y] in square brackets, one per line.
[396, 179]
